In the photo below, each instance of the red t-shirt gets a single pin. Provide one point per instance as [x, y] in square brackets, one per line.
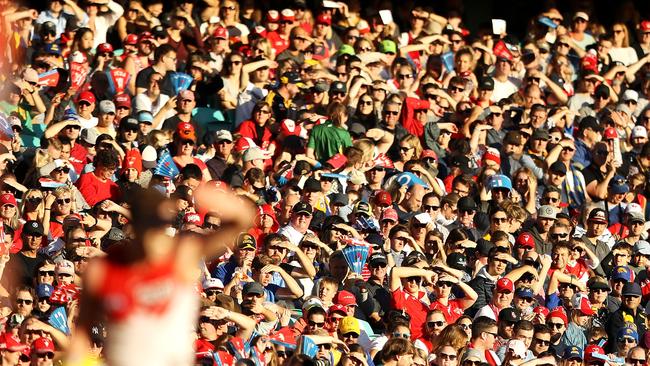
[452, 311]
[278, 43]
[78, 158]
[94, 190]
[414, 307]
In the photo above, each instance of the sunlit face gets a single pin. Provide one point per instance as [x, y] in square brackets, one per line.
[24, 303]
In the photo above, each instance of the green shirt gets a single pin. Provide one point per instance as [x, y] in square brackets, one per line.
[328, 140]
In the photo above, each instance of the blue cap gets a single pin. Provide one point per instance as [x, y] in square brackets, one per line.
[618, 185]
[145, 116]
[499, 181]
[628, 332]
[52, 48]
[44, 290]
[572, 352]
[621, 273]
[524, 292]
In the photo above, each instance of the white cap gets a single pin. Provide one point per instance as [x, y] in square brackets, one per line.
[581, 14]
[65, 267]
[223, 135]
[209, 283]
[639, 131]
[630, 95]
[255, 153]
[633, 207]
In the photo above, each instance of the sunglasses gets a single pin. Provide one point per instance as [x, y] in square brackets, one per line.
[499, 220]
[284, 354]
[542, 342]
[404, 76]
[64, 169]
[401, 335]
[350, 335]
[569, 149]
[555, 325]
[430, 207]
[448, 357]
[559, 235]
[325, 346]
[316, 324]
[626, 340]
[62, 201]
[24, 301]
[48, 355]
[435, 324]
[391, 113]
[46, 273]
[34, 200]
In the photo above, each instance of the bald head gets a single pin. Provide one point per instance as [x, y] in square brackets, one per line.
[414, 197]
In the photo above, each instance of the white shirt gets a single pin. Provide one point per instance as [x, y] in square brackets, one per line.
[504, 89]
[292, 234]
[88, 123]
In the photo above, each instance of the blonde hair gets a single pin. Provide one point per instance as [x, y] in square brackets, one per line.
[40, 209]
[415, 144]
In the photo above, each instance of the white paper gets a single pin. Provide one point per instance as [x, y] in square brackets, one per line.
[423, 218]
[498, 26]
[386, 16]
[330, 4]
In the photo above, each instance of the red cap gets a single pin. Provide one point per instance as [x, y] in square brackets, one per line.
[272, 16]
[610, 133]
[260, 30]
[324, 19]
[525, 240]
[186, 131]
[558, 312]
[86, 96]
[337, 161]
[203, 348]
[389, 214]
[428, 154]
[284, 334]
[131, 39]
[192, 218]
[122, 100]
[383, 198]
[581, 302]
[8, 199]
[541, 310]
[42, 345]
[345, 298]
[505, 284]
[105, 48]
[244, 143]
[336, 308]
[145, 37]
[220, 32]
[384, 161]
[645, 26]
[492, 155]
[288, 15]
[591, 349]
[590, 62]
[11, 343]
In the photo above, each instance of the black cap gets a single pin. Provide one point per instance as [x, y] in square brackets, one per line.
[339, 199]
[590, 122]
[601, 91]
[338, 87]
[129, 121]
[558, 167]
[246, 241]
[33, 228]
[312, 185]
[377, 258]
[253, 288]
[462, 162]
[413, 258]
[291, 77]
[159, 32]
[508, 315]
[596, 283]
[486, 83]
[302, 207]
[540, 134]
[483, 247]
[512, 138]
[631, 289]
[115, 234]
[466, 204]
[457, 261]
[48, 27]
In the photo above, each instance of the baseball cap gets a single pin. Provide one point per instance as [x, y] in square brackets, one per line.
[581, 15]
[64, 267]
[466, 204]
[412, 258]
[639, 131]
[582, 304]
[209, 283]
[630, 94]
[106, 106]
[383, 198]
[525, 240]
[302, 207]
[628, 331]
[221, 33]
[591, 350]
[338, 87]
[246, 241]
[508, 315]
[457, 261]
[8, 199]
[255, 153]
[336, 308]
[505, 284]
[253, 288]
[642, 247]
[44, 290]
[540, 134]
[122, 100]
[547, 212]
[11, 343]
[30, 75]
[389, 214]
[291, 77]
[311, 303]
[621, 273]
[377, 258]
[145, 117]
[558, 168]
[598, 215]
[33, 228]
[345, 298]
[558, 312]
[223, 135]
[486, 83]
[573, 352]
[323, 18]
[473, 354]
[590, 122]
[86, 96]
[387, 46]
[596, 283]
[362, 207]
[524, 293]
[618, 185]
[349, 324]
[631, 289]
[186, 131]
[43, 345]
[512, 138]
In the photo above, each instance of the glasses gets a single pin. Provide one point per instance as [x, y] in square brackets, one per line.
[62, 201]
[456, 41]
[24, 301]
[454, 89]
[626, 340]
[447, 357]
[350, 335]
[64, 169]
[471, 363]
[491, 333]
[551, 199]
[264, 111]
[391, 113]
[542, 342]
[569, 149]
[73, 127]
[435, 324]
[46, 273]
[499, 220]
[316, 324]
[636, 361]
[231, 8]
[325, 346]
[559, 235]
[284, 354]
[556, 325]
[83, 103]
[366, 102]
[405, 149]
[430, 207]
[401, 335]
[187, 142]
[404, 76]
[48, 355]
[34, 200]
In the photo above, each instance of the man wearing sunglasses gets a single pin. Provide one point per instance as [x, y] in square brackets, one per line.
[484, 336]
[630, 311]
